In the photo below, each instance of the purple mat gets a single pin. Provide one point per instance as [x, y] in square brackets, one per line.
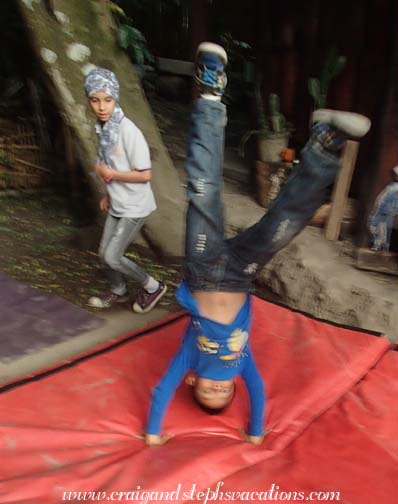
[31, 319]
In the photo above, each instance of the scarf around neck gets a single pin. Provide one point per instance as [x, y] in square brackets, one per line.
[108, 134]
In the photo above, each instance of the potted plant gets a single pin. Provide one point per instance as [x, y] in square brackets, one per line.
[273, 132]
[272, 140]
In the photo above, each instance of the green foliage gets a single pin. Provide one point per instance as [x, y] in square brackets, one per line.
[318, 88]
[240, 69]
[130, 38]
[117, 11]
[314, 88]
[237, 50]
[127, 35]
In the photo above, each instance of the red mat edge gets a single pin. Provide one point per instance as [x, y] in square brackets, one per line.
[109, 344]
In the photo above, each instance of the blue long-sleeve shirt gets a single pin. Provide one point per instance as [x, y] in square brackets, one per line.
[215, 351]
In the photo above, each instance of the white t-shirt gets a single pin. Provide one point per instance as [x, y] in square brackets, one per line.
[130, 199]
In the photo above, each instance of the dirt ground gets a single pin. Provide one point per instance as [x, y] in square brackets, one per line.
[37, 235]
[38, 238]
[37, 247]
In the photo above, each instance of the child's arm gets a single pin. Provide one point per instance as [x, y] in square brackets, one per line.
[104, 203]
[163, 393]
[134, 176]
[137, 153]
[256, 389]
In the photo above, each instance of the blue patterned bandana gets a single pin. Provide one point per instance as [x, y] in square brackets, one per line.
[101, 80]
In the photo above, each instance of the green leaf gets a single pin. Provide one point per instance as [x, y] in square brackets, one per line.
[339, 65]
[332, 67]
[138, 54]
[117, 11]
[314, 88]
[148, 56]
[123, 36]
[136, 34]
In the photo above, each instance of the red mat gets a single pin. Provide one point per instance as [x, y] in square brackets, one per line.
[332, 410]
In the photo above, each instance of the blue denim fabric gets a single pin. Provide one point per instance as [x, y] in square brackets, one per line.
[381, 220]
[213, 263]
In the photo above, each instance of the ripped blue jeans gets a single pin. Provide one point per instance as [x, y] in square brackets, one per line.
[214, 263]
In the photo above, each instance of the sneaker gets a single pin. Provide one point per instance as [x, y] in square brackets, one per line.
[107, 300]
[353, 125]
[211, 60]
[146, 300]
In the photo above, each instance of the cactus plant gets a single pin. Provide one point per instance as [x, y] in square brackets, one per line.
[272, 126]
[277, 120]
[318, 88]
[261, 117]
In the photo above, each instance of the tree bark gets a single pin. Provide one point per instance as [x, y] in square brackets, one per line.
[89, 26]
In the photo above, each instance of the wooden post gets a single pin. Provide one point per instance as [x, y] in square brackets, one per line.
[341, 189]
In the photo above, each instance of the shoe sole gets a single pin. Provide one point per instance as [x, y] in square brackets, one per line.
[351, 123]
[119, 301]
[137, 308]
[209, 47]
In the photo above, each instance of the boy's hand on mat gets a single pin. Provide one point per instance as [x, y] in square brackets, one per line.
[104, 204]
[257, 440]
[156, 439]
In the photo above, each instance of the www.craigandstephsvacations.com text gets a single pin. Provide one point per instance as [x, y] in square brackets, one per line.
[216, 493]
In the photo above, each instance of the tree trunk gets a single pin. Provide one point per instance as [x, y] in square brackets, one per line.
[88, 23]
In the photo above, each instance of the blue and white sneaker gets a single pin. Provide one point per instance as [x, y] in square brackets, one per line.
[333, 127]
[211, 60]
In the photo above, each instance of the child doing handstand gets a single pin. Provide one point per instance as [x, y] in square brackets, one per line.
[219, 272]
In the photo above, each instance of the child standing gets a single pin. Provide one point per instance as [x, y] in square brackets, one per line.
[125, 166]
[219, 272]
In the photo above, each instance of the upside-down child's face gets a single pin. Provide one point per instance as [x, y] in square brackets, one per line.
[102, 104]
[213, 394]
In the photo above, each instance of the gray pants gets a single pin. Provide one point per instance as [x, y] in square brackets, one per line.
[117, 235]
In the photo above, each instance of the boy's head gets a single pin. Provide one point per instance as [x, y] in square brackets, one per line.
[211, 394]
[102, 90]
